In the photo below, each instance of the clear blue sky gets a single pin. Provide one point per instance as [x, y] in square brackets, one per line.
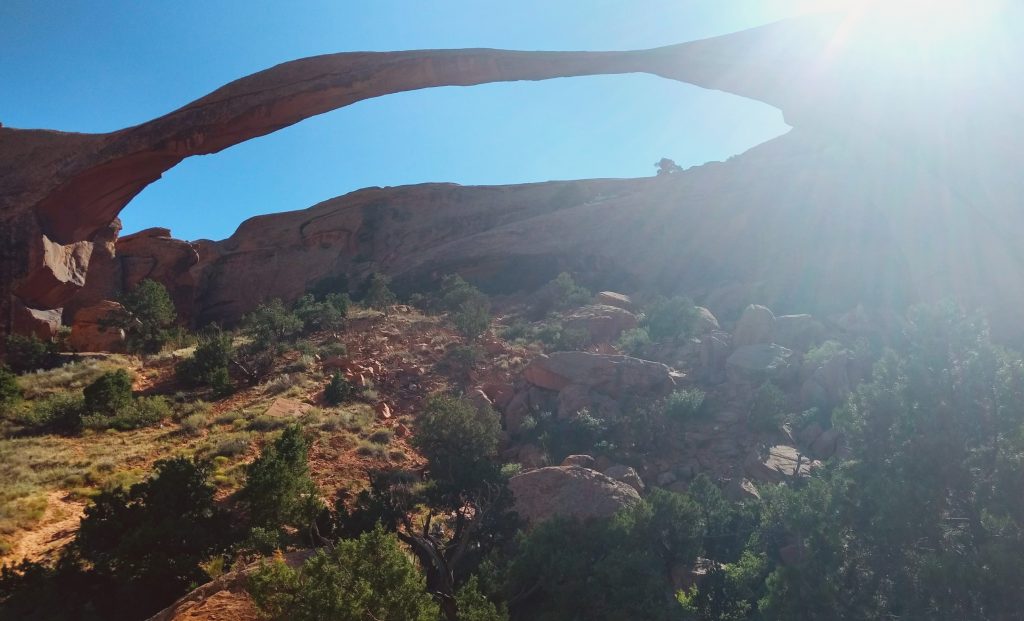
[102, 65]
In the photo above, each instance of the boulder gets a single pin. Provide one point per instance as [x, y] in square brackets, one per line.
[532, 456]
[714, 351]
[568, 491]
[42, 323]
[611, 375]
[87, 333]
[760, 363]
[627, 475]
[500, 393]
[755, 326]
[584, 461]
[283, 407]
[610, 298]
[705, 321]
[575, 398]
[739, 490]
[798, 332]
[602, 323]
[780, 463]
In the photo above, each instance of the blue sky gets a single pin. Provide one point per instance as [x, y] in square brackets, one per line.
[99, 66]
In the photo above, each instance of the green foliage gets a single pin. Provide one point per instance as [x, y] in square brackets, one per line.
[10, 392]
[460, 442]
[378, 294]
[365, 578]
[29, 353]
[606, 569]
[148, 317]
[474, 606]
[109, 394]
[473, 316]
[684, 404]
[271, 325]
[278, 490]
[560, 294]
[634, 341]
[459, 360]
[59, 412]
[768, 407]
[208, 365]
[338, 390]
[141, 412]
[146, 544]
[326, 314]
[669, 319]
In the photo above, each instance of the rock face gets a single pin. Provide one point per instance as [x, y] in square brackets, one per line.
[62, 191]
[760, 363]
[756, 326]
[602, 323]
[608, 374]
[88, 333]
[568, 491]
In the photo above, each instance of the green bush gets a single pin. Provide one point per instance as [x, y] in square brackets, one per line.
[142, 412]
[473, 316]
[278, 490]
[147, 318]
[59, 412]
[370, 577]
[684, 404]
[271, 325]
[635, 341]
[29, 353]
[146, 544]
[208, 365]
[607, 569]
[560, 294]
[768, 407]
[460, 442]
[109, 394]
[378, 294]
[327, 314]
[669, 319]
[10, 392]
[338, 390]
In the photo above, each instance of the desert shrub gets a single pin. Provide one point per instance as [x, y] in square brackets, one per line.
[282, 383]
[278, 490]
[669, 319]
[193, 424]
[110, 393]
[767, 407]
[271, 325]
[381, 436]
[473, 316]
[147, 318]
[684, 404]
[121, 531]
[29, 353]
[232, 446]
[634, 341]
[141, 412]
[378, 294]
[326, 314]
[265, 423]
[459, 360]
[370, 577]
[60, 412]
[459, 441]
[209, 364]
[606, 569]
[562, 293]
[333, 349]
[821, 354]
[338, 390]
[10, 392]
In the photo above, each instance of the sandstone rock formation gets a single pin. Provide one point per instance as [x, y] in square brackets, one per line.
[608, 374]
[874, 185]
[568, 491]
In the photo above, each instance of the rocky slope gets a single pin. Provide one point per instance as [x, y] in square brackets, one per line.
[896, 185]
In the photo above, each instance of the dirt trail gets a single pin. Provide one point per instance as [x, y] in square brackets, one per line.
[54, 531]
